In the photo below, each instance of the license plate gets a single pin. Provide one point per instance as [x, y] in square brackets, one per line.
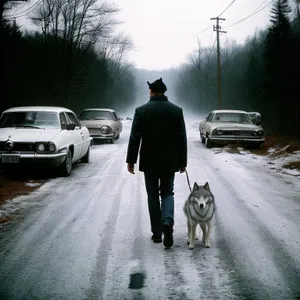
[10, 159]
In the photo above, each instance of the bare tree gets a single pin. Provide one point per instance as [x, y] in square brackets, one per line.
[3, 4]
[198, 76]
[81, 23]
[114, 49]
[76, 26]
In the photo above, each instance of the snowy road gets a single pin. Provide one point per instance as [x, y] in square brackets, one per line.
[88, 236]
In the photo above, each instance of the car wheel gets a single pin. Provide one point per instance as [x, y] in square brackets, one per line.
[208, 143]
[65, 168]
[112, 141]
[86, 158]
[202, 138]
[117, 137]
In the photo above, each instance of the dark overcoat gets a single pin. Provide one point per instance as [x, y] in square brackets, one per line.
[158, 131]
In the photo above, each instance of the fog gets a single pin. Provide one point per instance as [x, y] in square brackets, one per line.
[170, 78]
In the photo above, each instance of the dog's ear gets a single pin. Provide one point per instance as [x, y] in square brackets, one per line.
[196, 186]
[206, 186]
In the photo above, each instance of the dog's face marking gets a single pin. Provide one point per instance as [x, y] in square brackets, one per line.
[201, 195]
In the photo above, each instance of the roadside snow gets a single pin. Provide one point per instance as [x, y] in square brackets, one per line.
[275, 163]
[278, 163]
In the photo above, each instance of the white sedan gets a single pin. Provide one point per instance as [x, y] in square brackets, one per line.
[43, 136]
[230, 126]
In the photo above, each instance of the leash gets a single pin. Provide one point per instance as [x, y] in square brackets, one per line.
[187, 178]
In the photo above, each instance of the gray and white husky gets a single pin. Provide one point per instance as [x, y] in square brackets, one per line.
[199, 208]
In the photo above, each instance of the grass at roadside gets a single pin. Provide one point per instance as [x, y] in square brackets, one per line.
[278, 142]
[11, 187]
[284, 150]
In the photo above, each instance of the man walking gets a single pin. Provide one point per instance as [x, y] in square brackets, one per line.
[158, 130]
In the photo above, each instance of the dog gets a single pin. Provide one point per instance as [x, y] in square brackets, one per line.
[199, 208]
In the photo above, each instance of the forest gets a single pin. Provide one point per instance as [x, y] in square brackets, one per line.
[77, 58]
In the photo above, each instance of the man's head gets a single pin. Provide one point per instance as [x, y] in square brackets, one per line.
[157, 87]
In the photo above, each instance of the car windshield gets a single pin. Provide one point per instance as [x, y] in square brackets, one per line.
[242, 118]
[30, 119]
[96, 115]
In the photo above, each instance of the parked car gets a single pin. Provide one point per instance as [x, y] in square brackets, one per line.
[102, 123]
[43, 136]
[230, 126]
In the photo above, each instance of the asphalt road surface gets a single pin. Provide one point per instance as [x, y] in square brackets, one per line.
[88, 236]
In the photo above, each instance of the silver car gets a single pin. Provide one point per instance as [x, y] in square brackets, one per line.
[230, 126]
[102, 123]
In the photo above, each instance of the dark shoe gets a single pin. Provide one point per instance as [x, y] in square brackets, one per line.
[168, 236]
[156, 239]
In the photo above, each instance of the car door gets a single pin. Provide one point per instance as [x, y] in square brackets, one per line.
[208, 126]
[76, 136]
[203, 126]
[118, 123]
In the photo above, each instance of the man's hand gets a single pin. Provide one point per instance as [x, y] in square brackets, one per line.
[130, 168]
[182, 170]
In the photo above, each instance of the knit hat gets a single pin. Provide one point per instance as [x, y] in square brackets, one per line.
[157, 86]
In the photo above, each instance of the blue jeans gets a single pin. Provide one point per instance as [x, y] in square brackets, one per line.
[160, 186]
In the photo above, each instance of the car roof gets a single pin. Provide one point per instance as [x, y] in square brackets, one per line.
[56, 109]
[101, 109]
[229, 111]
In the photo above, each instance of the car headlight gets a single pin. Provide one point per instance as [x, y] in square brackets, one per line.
[260, 133]
[41, 147]
[51, 147]
[220, 132]
[254, 133]
[105, 129]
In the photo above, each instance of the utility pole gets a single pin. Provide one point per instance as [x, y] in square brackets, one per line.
[217, 28]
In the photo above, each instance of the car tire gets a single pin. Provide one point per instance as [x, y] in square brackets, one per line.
[202, 138]
[86, 158]
[208, 143]
[65, 169]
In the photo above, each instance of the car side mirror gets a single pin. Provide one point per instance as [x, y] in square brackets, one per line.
[71, 126]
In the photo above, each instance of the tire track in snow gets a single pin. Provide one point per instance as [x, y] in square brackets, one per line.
[175, 280]
[137, 252]
[101, 274]
[98, 276]
[287, 265]
[244, 283]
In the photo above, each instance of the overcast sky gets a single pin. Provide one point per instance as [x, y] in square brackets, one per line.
[165, 31]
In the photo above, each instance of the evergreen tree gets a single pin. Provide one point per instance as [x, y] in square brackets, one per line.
[278, 61]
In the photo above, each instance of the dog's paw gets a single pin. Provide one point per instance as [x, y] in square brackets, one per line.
[207, 245]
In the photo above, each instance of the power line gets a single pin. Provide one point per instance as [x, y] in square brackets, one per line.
[245, 5]
[226, 8]
[25, 12]
[257, 10]
[202, 30]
